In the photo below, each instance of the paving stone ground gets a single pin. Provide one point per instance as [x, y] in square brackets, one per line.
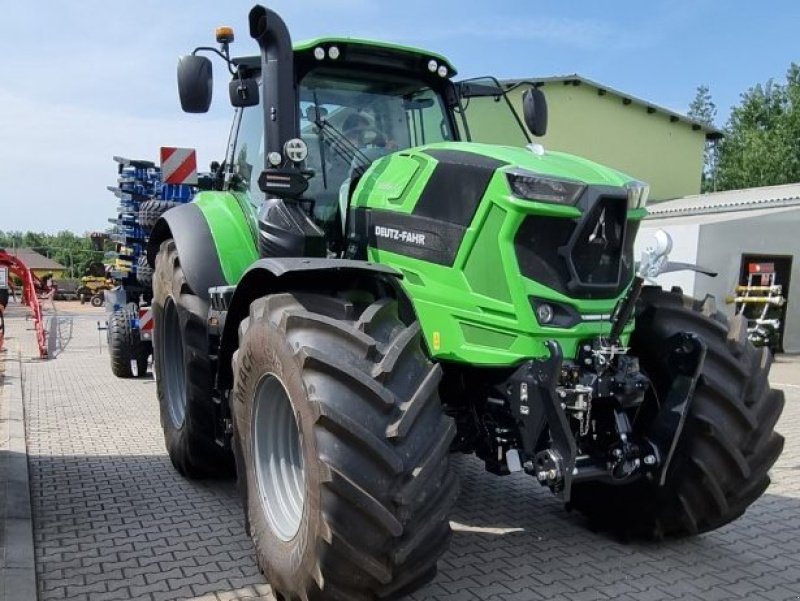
[113, 520]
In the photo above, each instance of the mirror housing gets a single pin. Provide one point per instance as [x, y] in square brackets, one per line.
[534, 110]
[243, 92]
[195, 83]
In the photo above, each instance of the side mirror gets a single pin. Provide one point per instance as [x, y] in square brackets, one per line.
[195, 83]
[243, 92]
[534, 110]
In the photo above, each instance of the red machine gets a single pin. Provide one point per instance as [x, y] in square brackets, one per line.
[30, 285]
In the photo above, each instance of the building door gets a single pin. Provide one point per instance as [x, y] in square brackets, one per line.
[763, 280]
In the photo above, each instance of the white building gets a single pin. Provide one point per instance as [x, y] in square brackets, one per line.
[727, 232]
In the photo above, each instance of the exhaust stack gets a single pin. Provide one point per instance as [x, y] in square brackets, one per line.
[279, 94]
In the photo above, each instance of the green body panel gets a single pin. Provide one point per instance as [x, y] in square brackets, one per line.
[232, 224]
[477, 311]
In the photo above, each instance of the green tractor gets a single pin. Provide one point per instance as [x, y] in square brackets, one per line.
[365, 290]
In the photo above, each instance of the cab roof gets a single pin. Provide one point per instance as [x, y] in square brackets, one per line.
[359, 45]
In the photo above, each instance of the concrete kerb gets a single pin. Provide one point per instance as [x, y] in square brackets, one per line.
[18, 575]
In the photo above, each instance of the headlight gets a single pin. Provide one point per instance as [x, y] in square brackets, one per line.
[530, 186]
[638, 193]
[544, 313]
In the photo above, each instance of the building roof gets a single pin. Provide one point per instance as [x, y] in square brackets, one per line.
[669, 221]
[712, 133]
[34, 260]
[748, 199]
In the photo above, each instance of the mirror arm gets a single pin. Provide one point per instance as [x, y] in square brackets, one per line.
[224, 54]
[519, 84]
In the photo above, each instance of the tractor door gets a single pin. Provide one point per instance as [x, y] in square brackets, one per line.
[246, 154]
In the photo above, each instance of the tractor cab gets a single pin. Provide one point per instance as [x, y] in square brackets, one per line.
[351, 111]
[332, 107]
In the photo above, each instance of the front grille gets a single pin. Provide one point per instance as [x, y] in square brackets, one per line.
[597, 247]
[537, 242]
[590, 257]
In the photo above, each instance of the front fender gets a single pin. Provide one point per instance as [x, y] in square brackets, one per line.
[274, 275]
[214, 238]
[187, 226]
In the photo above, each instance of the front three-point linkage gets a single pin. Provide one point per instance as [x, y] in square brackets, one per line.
[560, 396]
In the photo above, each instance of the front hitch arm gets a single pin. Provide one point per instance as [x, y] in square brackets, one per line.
[685, 354]
[536, 404]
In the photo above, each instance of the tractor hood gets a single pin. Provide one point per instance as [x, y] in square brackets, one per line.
[546, 162]
[451, 179]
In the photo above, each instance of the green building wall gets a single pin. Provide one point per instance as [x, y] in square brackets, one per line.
[638, 139]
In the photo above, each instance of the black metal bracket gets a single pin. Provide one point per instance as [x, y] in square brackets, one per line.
[685, 354]
[535, 404]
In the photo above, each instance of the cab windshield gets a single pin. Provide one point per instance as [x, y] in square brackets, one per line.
[349, 120]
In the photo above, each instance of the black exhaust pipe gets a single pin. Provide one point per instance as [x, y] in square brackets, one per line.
[278, 86]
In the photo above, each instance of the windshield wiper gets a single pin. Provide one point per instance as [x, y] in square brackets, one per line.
[341, 142]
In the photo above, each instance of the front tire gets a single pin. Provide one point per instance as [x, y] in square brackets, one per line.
[342, 447]
[184, 378]
[728, 443]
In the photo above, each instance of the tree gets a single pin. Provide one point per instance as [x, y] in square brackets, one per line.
[762, 137]
[72, 251]
[703, 109]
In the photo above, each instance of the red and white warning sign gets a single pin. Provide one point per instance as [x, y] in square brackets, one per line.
[178, 165]
[146, 322]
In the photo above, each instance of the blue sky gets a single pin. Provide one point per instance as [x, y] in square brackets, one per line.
[82, 81]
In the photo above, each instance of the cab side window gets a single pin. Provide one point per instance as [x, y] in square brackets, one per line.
[248, 154]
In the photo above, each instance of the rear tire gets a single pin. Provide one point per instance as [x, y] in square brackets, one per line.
[120, 343]
[728, 443]
[184, 373]
[97, 300]
[362, 465]
[124, 344]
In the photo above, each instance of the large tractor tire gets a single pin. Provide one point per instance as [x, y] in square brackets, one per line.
[151, 210]
[184, 374]
[125, 346]
[144, 273]
[728, 443]
[341, 447]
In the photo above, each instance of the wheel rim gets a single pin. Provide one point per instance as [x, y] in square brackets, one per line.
[172, 358]
[279, 466]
